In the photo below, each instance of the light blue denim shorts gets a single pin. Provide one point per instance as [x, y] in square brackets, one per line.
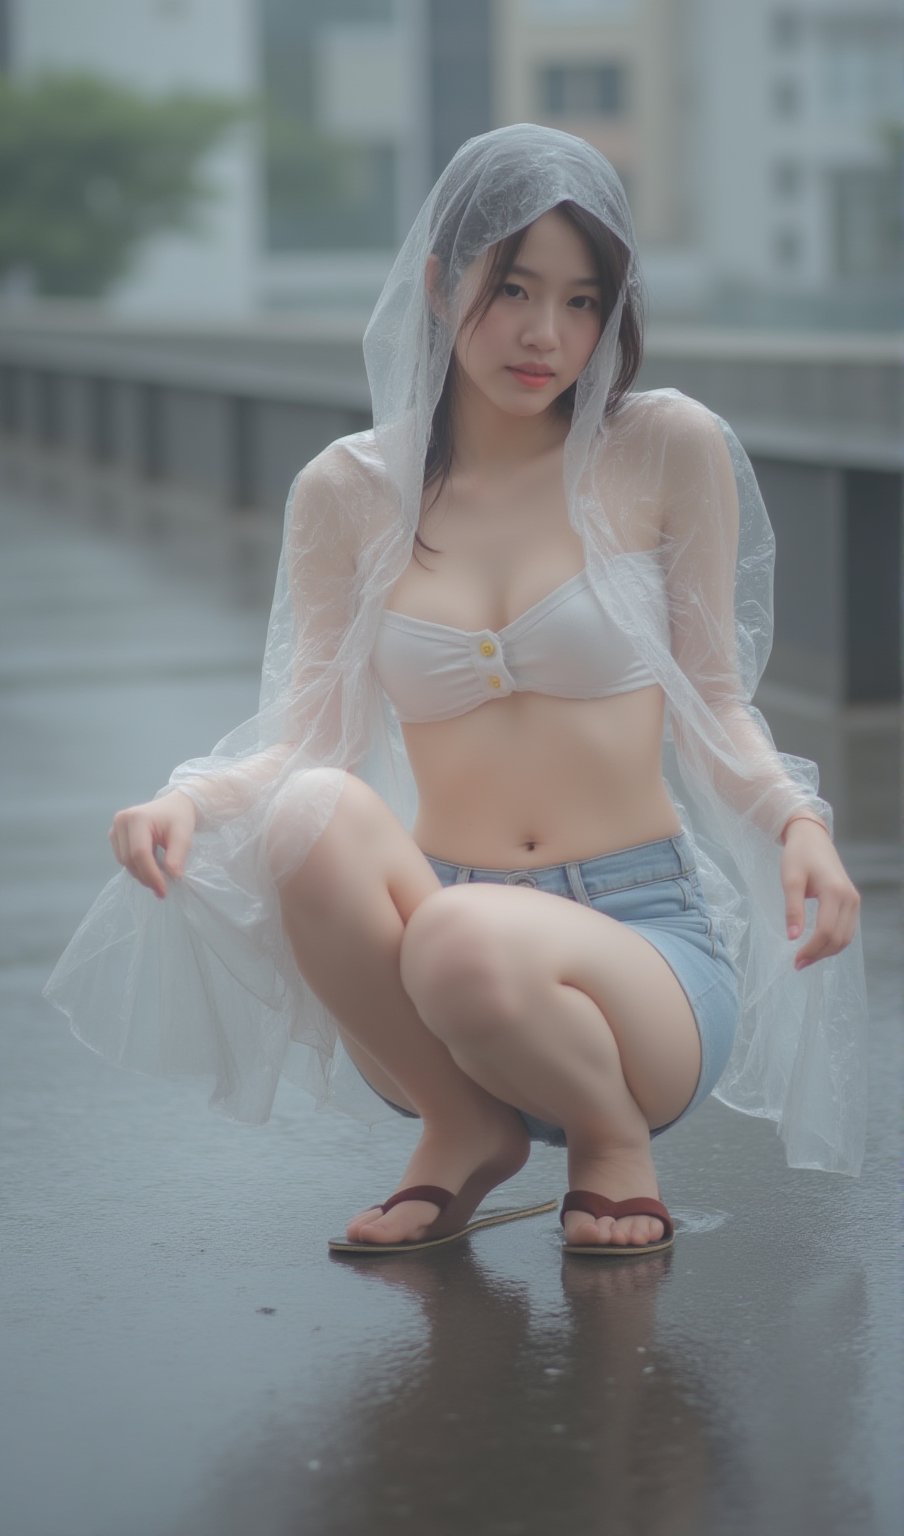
[655, 889]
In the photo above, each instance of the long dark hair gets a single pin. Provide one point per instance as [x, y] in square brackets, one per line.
[611, 260]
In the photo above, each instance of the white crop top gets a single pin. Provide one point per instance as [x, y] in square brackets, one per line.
[565, 645]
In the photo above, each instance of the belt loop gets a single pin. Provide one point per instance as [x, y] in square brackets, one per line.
[684, 869]
[464, 873]
[579, 890]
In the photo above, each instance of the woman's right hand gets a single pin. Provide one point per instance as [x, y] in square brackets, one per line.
[137, 830]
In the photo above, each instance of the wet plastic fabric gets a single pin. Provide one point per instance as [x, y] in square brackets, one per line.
[205, 981]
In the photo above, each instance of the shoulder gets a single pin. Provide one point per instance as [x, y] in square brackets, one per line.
[341, 464]
[342, 497]
[672, 419]
[341, 482]
[696, 452]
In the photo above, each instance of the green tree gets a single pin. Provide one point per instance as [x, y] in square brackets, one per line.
[90, 170]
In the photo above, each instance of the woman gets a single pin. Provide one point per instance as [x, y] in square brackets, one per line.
[515, 634]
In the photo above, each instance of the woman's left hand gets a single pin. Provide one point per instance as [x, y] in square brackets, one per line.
[811, 867]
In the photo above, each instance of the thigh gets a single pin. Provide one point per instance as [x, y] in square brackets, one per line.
[331, 839]
[535, 938]
[339, 900]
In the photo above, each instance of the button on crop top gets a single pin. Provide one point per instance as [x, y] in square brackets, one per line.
[565, 644]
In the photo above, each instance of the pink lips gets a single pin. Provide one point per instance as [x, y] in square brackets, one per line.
[532, 380]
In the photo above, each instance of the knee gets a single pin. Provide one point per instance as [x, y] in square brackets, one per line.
[310, 801]
[454, 969]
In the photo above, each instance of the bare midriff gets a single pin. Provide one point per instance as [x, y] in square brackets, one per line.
[528, 779]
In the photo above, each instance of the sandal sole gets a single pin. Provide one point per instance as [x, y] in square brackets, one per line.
[623, 1251]
[492, 1219]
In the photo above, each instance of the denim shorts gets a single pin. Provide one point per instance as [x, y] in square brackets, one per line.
[655, 889]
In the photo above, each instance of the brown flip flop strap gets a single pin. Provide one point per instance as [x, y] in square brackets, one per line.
[440, 1197]
[600, 1205]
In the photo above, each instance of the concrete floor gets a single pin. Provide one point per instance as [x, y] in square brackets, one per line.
[182, 1355]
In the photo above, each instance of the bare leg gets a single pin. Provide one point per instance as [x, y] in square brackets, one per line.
[574, 1073]
[344, 911]
[540, 987]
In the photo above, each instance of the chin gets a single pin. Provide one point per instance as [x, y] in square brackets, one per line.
[527, 405]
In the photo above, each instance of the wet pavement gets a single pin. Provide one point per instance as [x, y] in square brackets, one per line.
[181, 1354]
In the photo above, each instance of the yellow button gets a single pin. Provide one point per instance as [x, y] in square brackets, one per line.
[494, 681]
[488, 648]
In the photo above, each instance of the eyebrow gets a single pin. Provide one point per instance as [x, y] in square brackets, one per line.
[576, 282]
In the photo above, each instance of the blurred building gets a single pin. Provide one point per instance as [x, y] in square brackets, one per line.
[374, 97]
[619, 73]
[800, 156]
[761, 144]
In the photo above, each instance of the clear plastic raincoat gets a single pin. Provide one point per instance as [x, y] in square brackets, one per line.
[205, 982]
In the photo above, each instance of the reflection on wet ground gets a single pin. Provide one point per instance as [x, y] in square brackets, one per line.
[183, 1355]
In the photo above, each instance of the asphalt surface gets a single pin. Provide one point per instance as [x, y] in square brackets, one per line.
[181, 1354]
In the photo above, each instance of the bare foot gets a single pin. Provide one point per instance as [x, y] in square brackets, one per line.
[619, 1173]
[448, 1157]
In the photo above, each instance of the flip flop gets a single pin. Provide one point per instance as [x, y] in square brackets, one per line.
[449, 1204]
[600, 1205]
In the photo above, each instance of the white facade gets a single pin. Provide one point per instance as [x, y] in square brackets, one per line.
[793, 169]
[751, 141]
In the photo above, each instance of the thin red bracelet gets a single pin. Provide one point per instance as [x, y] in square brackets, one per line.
[802, 816]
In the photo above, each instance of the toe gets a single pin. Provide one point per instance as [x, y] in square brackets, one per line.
[363, 1218]
[406, 1222]
[626, 1231]
[642, 1229]
[580, 1228]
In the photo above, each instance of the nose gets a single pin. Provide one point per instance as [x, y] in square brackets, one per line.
[539, 328]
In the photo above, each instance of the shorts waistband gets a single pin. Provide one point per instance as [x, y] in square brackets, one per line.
[658, 859]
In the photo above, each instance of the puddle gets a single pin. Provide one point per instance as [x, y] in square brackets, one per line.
[691, 1218]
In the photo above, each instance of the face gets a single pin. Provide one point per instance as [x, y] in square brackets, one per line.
[545, 321]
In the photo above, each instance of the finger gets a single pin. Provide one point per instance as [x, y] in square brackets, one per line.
[823, 940]
[119, 841]
[841, 935]
[818, 947]
[176, 850]
[795, 911]
[141, 860]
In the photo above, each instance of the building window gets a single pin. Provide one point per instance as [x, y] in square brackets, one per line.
[861, 78]
[584, 90]
[787, 248]
[786, 97]
[786, 178]
[332, 136]
[867, 222]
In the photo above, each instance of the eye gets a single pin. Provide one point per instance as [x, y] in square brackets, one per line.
[517, 287]
[586, 300]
